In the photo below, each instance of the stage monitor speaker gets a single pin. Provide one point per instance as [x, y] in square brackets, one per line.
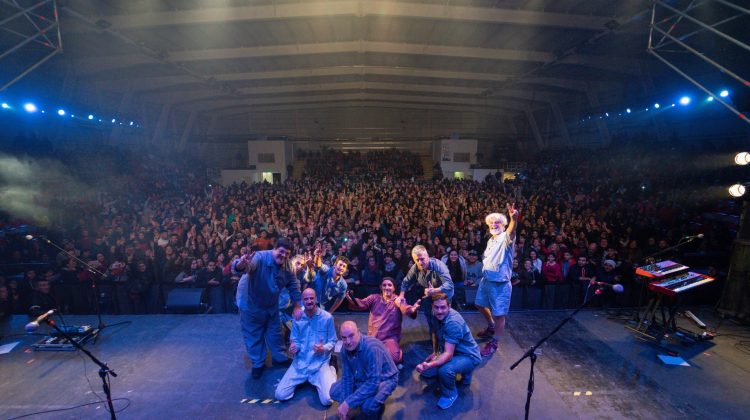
[186, 301]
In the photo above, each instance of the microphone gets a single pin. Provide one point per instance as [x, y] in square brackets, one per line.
[617, 288]
[34, 325]
[698, 236]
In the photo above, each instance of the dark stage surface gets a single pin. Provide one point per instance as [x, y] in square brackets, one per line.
[194, 366]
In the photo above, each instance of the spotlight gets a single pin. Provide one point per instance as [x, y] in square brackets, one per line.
[710, 99]
[656, 105]
[91, 117]
[29, 107]
[737, 190]
[628, 110]
[61, 112]
[5, 106]
[606, 113]
[72, 115]
[131, 123]
[724, 93]
[113, 120]
[742, 158]
[685, 100]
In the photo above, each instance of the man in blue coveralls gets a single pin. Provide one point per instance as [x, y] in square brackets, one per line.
[265, 273]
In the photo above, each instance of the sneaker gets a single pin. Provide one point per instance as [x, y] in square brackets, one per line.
[258, 372]
[446, 401]
[489, 349]
[488, 333]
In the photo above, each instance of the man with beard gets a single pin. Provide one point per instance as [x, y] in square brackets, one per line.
[311, 343]
[493, 295]
[386, 313]
[459, 353]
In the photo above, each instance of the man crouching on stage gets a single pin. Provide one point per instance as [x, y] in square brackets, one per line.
[369, 377]
[460, 353]
[311, 343]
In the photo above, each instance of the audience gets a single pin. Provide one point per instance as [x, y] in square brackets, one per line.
[151, 223]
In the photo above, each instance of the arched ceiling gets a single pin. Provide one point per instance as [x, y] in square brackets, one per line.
[211, 56]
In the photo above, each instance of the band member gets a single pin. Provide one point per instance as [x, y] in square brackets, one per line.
[493, 294]
[330, 284]
[386, 313]
[312, 341]
[458, 352]
[369, 376]
[431, 274]
[265, 272]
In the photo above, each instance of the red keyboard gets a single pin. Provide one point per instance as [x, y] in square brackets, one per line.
[681, 283]
[660, 270]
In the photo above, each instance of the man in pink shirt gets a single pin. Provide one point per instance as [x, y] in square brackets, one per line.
[386, 313]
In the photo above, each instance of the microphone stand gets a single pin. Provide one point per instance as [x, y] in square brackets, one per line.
[94, 281]
[104, 370]
[531, 352]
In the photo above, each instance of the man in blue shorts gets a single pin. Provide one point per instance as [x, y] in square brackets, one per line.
[493, 294]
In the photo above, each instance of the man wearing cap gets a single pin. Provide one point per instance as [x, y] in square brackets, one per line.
[493, 295]
[607, 274]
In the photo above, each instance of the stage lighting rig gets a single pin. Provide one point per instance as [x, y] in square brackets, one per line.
[679, 32]
[742, 158]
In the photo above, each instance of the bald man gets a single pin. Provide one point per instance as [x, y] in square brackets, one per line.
[369, 376]
[311, 343]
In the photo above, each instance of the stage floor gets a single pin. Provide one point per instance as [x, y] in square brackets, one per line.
[194, 366]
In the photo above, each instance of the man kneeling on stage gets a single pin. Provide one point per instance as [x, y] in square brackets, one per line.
[460, 353]
[311, 343]
[369, 377]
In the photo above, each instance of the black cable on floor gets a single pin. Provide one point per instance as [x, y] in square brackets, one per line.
[73, 408]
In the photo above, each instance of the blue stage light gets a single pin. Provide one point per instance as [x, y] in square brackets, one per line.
[685, 100]
[113, 120]
[628, 110]
[724, 93]
[710, 99]
[61, 112]
[656, 105]
[91, 117]
[5, 105]
[29, 107]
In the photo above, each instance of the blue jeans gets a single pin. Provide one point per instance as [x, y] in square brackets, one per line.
[261, 328]
[447, 373]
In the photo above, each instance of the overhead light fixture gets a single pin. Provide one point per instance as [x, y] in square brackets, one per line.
[656, 105]
[628, 110]
[724, 93]
[29, 107]
[5, 105]
[91, 117]
[61, 112]
[685, 100]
